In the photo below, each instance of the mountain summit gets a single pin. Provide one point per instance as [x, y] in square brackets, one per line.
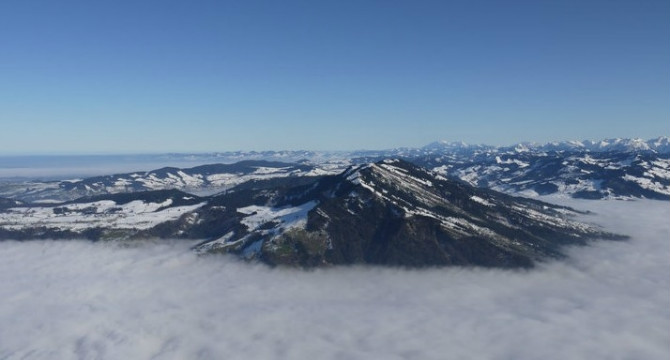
[395, 213]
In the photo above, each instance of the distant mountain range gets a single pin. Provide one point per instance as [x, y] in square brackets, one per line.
[614, 168]
[576, 173]
[390, 212]
[62, 167]
[443, 204]
[659, 145]
[203, 179]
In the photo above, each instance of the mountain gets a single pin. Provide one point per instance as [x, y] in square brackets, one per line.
[611, 168]
[386, 213]
[395, 213]
[660, 145]
[578, 174]
[604, 169]
[200, 179]
[102, 217]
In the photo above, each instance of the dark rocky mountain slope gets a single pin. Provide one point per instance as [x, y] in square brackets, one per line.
[394, 213]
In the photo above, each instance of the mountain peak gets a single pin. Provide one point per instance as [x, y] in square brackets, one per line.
[392, 212]
[452, 146]
[660, 145]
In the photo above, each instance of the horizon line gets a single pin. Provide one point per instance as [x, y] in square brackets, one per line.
[211, 152]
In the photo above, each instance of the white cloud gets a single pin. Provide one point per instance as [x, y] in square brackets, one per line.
[79, 300]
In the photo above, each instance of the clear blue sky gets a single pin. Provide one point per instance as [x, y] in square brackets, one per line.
[156, 76]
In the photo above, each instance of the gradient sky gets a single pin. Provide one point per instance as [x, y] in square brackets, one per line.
[190, 76]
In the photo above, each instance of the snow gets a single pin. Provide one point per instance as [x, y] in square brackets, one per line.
[286, 217]
[648, 184]
[121, 182]
[520, 163]
[176, 179]
[443, 169]
[190, 181]
[261, 170]
[322, 172]
[222, 179]
[480, 200]
[403, 174]
[222, 240]
[659, 169]
[556, 220]
[46, 201]
[100, 214]
[139, 206]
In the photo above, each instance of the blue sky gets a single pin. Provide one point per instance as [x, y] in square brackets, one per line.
[157, 76]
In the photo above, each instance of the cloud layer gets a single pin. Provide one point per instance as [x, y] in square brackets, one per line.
[79, 300]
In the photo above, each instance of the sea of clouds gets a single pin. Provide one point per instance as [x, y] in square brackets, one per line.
[81, 300]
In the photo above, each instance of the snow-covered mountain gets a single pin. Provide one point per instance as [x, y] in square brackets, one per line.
[610, 168]
[439, 205]
[389, 213]
[101, 217]
[614, 168]
[204, 179]
[575, 173]
[660, 145]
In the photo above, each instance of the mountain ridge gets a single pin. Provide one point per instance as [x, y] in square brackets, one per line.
[390, 213]
[615, 168]
[659, 144]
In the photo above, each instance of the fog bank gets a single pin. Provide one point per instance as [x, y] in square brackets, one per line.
[80, 300]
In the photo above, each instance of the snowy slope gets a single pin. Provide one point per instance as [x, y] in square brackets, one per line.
[204, 179]
[122, 215]
[590, 175]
